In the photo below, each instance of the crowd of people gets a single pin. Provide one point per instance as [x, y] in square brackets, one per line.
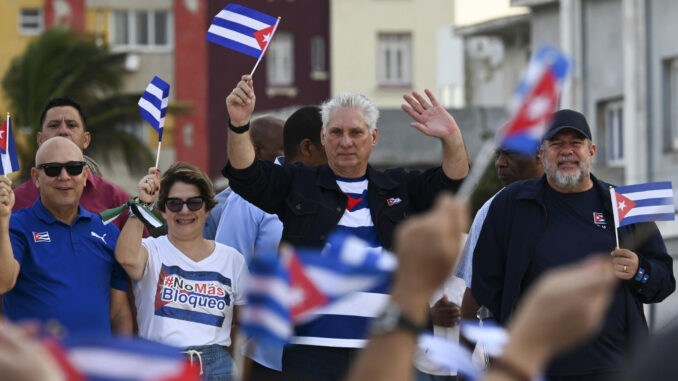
[532, 261]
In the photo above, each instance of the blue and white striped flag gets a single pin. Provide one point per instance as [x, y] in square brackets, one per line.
[243, 29]
[642, 203]
[287, 289]
[153, 104]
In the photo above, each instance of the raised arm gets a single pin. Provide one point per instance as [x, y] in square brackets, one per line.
[433, 120]
[9, 266]
[240, 105]
[129, 252]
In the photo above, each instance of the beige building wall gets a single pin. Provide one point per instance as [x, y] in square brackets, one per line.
[12, 43]
[355, 26]
[467, 12]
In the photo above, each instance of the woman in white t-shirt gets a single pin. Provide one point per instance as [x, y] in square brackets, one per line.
[187, 288]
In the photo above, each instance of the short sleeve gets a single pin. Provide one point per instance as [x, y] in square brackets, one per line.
[241, 278]
[119, 280]
[18, 240]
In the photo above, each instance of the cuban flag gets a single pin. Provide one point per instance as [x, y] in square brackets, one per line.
[117, 358]
[534, 101]
[286, 290]
[642, 203]
[8, 156]
[243, 29]
[153, 104]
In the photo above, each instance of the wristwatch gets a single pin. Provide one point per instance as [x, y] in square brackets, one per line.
[393, 318]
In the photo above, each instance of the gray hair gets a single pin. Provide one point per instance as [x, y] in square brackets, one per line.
[350, 100]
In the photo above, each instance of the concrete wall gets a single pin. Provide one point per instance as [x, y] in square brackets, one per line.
[354, 29]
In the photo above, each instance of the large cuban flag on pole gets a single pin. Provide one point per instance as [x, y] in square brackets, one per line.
[244, 30]
[8, 156]
[153, 107]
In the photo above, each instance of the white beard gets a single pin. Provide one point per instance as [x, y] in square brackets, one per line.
[565, 180]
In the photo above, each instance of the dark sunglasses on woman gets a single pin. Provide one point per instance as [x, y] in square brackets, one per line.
[73, 168]
[175, 204]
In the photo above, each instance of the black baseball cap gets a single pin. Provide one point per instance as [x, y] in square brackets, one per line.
[563, 119]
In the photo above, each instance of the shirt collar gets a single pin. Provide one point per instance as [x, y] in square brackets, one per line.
[47, 217]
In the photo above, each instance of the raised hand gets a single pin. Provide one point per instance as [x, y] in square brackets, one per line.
[6, 197]
[240, 102]
[149, 186]
[430, 118]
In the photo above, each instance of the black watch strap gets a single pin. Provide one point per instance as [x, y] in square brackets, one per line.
[238, 130]
[392, 319]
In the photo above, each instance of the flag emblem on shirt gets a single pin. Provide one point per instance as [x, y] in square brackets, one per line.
[535, 100]
[393, 201]
[153, 104]
[41, 237]
[242, 29]
[598, 218]
[642, 203]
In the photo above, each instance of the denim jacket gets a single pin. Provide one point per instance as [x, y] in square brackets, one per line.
[309, 202]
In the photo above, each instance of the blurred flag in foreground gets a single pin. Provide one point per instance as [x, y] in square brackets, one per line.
[535, 99]
[8, 157]
[153, 104]
[642, 203]
[285, 290]
[111, 358]
[243, 29]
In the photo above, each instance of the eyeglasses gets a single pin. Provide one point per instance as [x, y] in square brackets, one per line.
[176, 204]
[73, 168]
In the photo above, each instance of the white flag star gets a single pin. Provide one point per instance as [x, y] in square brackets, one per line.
[267, 37]
[622, 205]
[2, 132]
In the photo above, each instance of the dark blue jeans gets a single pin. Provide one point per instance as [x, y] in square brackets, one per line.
[217, 364]
[313, 363]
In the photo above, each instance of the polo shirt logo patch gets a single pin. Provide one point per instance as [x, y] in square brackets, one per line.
[598, 218]
[41, 237]
[393, 201]
[197, 296]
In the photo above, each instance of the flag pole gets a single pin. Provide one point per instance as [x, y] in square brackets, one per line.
[266, 47]
[613, 198]
[480, 162]
[6, 147]
[157, 157]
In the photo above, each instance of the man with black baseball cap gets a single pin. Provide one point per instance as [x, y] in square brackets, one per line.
[560, 218]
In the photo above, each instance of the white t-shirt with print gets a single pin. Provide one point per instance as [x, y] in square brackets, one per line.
[183, 303]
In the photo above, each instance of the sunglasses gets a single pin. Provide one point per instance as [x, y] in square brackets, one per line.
[176, 204]
[73, 168]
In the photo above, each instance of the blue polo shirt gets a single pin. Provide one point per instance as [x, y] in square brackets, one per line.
[67, 272]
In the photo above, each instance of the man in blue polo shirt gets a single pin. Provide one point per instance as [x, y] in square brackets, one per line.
[57, 259]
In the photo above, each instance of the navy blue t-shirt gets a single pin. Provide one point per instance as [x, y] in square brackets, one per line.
[576, 227]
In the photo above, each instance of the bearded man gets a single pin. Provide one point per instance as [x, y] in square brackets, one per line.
[535, 225]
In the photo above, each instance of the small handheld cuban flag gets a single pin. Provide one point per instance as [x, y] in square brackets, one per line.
[244, 30]
[642, 203]
[10, 161]
[534, 101]
[153, 107]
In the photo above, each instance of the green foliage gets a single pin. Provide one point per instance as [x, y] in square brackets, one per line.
[488, 186]
[59, 63]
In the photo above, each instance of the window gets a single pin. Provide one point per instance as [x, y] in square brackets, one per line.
[613, 126]
[671, 104]
[280, 60]
[394, 60]
[318, 65]
[31, 21]
[141, 29]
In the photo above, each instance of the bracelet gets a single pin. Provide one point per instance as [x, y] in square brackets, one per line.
[509, 369]
[238, 130]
